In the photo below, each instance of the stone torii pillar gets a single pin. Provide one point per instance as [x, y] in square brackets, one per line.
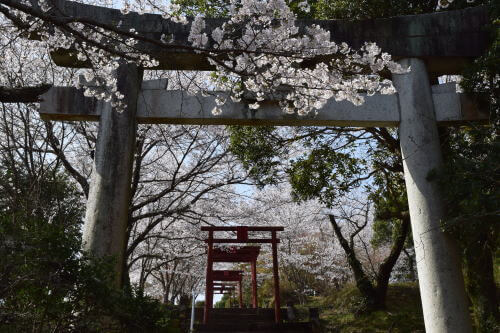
[441, 284]
[107, 212]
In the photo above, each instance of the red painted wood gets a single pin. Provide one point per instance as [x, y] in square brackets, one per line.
[248, 241]
[242, 234]
[236, 254]
[209, 279]
[254, 284]
[277, 301]
[240, 294]
[235, 228]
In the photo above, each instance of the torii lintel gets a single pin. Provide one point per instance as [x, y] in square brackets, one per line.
[157, 105]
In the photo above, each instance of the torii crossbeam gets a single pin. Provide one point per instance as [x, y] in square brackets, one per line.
[445, 40]
[432, 44]
[451, 108]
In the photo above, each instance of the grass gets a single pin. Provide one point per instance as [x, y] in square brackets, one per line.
[403, 313]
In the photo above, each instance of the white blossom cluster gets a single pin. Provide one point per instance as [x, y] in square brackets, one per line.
[261, 51]
[443, 4]
[92, 50]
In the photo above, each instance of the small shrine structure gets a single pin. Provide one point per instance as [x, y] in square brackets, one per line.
[236, 254]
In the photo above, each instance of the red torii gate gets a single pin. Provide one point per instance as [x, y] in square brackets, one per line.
[234, 254]
[229, 276]
[241, 254]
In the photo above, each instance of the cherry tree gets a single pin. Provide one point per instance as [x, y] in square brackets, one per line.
[170, 265]
[176, 167]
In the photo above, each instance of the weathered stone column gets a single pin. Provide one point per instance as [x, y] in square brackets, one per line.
[444, 301]
[106, 217]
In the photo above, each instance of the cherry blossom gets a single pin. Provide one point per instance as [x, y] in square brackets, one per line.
[267, 59]
[260, 52]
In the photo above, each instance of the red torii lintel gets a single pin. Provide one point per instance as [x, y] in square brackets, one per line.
[227, 275]
[224, 286]
[218, 285]
[236, 254]
[246, 255]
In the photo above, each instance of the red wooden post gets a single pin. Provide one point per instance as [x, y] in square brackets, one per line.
[242, 234]
[277, 301]
[254, 284]
[209, 282]
[240, 294]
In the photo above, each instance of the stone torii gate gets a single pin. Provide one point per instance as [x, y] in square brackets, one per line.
[432, 44]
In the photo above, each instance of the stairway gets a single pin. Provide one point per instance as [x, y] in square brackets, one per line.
[249, 320]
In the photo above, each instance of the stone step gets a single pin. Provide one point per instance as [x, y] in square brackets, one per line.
[254, 327]
[247, 314]
[241, 317]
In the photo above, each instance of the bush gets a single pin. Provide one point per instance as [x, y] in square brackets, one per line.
[46, 283]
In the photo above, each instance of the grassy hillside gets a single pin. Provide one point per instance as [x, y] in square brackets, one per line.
[403, 313]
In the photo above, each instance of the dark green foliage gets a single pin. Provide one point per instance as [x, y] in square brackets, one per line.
[211, 8]
[258, 148]
[46, 283]
[227, 301]
[470, 182]
[366, 9]
[326, 174]
[334, 9]
[360, 9]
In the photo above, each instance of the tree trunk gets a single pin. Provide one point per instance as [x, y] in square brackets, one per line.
[363, 282]
[385, 269]
[411, 268]
[374, 296]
